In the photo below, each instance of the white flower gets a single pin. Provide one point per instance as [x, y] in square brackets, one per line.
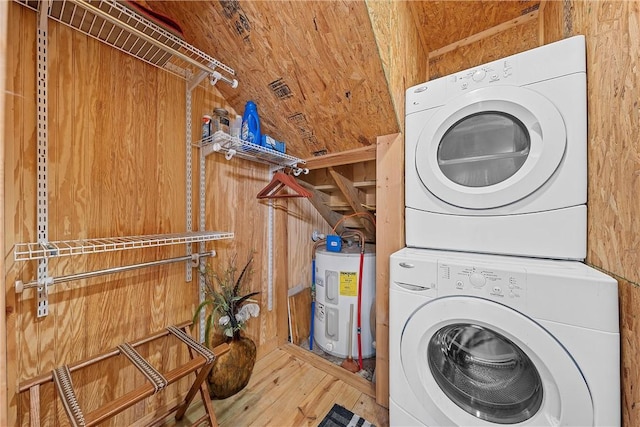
[224, 320]
[253, 309]
[243, 315]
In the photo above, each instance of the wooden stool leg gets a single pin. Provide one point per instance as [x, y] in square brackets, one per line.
[208, 405]
[199, 384]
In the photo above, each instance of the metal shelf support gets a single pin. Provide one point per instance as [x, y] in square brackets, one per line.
[42, 193]
[37, 251]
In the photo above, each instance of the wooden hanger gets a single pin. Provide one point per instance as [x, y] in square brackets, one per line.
[279, 181]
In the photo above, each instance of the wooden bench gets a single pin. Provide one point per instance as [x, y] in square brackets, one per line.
[200, 363]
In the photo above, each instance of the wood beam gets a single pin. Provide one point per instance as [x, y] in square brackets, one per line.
[4, 398]
[541, 22]
[357, 155]
[484, 34]
[390, 233]
[354, 198]
[319, 201]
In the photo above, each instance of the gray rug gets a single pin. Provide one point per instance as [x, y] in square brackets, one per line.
[340, 416]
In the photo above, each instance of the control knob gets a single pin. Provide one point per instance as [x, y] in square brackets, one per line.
[477, 280]
[479, 75]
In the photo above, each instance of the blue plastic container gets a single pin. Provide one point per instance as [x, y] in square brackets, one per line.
[334, 243]
[250, 131]
[281, 147]
[269, 142]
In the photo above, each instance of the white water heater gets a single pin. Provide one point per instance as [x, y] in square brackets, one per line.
[337, 275]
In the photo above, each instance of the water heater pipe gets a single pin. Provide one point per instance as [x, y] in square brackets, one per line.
[360, 306]
[360, 235]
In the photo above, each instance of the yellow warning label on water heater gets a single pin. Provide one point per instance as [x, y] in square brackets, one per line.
[348, 284]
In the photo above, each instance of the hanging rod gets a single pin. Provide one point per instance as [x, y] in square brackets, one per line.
[21, 286]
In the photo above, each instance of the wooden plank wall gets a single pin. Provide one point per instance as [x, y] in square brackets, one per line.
[116, 168]
[3, 320]
[613, 81]
[519, 35]
[303, 219]
[443, 23]
[551, 21]
[400, 51]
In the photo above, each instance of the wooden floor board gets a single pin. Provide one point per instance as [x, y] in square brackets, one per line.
[254, 402]
[311, 410]
[289, 390]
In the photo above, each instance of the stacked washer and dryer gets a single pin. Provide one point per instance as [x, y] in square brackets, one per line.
[494, 319]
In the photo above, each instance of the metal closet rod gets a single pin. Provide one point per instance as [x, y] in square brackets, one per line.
[20, 286]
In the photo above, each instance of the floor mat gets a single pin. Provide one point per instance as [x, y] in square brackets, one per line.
[340, 416]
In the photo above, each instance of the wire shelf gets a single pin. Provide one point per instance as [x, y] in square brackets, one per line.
[122, 28]
[32, 251]
[230, 146]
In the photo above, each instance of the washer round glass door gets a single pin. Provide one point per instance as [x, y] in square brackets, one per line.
[485, 373]
[472, 361]
[490, 147]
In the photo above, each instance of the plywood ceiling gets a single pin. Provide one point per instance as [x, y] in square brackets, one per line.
[313, 67]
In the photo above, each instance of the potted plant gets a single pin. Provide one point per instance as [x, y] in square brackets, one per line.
[227, 311]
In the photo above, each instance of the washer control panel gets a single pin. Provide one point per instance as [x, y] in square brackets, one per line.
[506, 286]
[489, 74]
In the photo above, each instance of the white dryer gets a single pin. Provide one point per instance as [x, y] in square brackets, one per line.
[489, 340]
[496, 156]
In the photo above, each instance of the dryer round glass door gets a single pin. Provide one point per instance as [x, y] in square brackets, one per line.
[472, 361]
[490, 147]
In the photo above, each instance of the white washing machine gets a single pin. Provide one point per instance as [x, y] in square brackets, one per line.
[489, 340]
[496, 156]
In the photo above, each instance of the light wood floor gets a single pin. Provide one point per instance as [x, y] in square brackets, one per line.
[293, 387]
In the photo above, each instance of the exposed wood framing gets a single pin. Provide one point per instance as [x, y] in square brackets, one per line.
[441, 23]
[390, 238]
[348, 157]
[508, 42]
[3, 321]
[319, 201]
[541, 25]
[354, 198]
[485, 34]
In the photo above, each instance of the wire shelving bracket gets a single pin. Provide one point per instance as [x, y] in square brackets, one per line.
[230, 146]
[122, 28]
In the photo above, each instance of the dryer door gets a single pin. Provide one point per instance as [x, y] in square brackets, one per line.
[472, 361]
[490, 147]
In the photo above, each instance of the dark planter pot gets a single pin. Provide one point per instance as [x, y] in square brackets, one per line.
[231, 371]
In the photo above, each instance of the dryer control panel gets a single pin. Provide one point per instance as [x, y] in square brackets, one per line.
[508, 287]
[489, 74]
